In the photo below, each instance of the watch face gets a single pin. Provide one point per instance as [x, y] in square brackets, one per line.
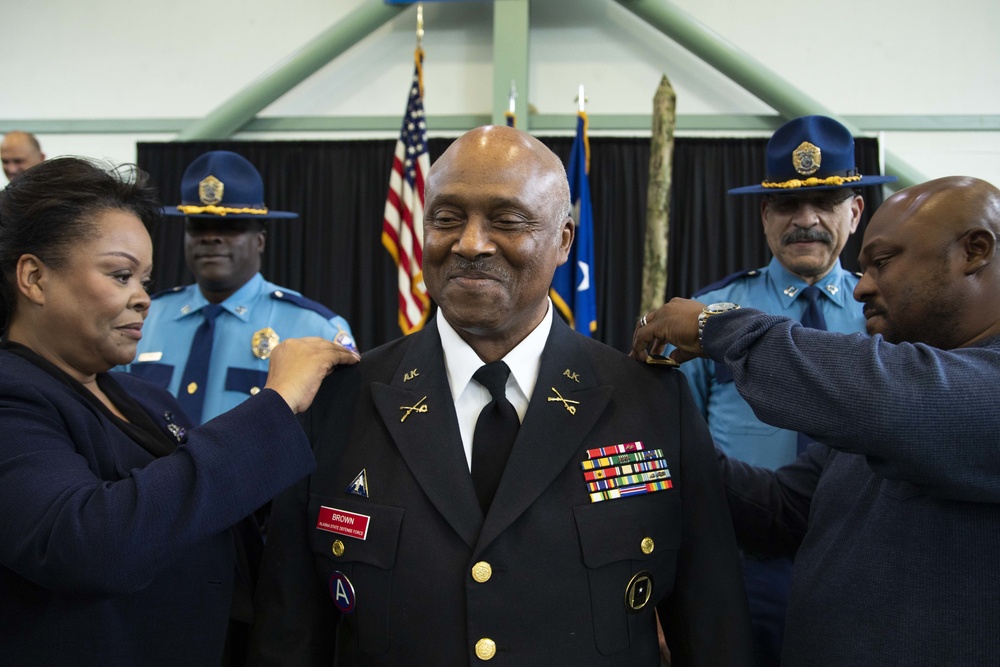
[723, 307]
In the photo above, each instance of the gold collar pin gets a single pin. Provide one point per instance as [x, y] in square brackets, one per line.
[413, 408]
[565, 401]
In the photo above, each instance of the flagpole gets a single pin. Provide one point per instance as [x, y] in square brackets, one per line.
[581, 100]
[419, 53]
[510, 114]
[420, 25]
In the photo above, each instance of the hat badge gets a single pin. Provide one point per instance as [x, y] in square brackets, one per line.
[806, 158]
[210, 190]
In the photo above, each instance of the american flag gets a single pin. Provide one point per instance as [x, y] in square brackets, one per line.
[403, 223]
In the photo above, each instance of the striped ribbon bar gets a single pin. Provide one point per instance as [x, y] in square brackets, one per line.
[614, 449]
[624, 492]
[621, 459]
[630, 469]
[626, 480]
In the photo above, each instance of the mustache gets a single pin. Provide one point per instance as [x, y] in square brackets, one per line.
[483, 266]
[799, 235]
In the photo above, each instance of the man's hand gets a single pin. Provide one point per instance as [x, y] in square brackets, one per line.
[674, 323]
[298, 366]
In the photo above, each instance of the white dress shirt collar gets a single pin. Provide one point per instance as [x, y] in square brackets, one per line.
[461, 362]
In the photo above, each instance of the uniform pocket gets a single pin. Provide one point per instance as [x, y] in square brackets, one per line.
[159, 374]
[245, 380]
[620, 539]
[366, 563]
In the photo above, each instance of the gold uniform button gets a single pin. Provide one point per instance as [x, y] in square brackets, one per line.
[647, 545]
[193, 387]
[482, 571]
[337, 548]
[486, 648]
[254, 391]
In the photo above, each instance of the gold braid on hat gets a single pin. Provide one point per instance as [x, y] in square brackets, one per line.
[812, 181]
[219, 210]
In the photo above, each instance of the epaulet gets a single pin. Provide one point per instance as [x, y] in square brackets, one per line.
[303, 302]
[719, 284]
[172, 290]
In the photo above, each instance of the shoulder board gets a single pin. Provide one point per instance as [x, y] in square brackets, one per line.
[719, 284]
[172, 290]
[303, 302]
[662, 361]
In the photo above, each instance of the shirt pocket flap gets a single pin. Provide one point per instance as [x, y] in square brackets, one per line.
[377, 547]
[157, 373]
[629, 528]
[245, 380]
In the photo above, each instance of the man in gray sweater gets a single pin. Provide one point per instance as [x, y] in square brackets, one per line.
[894, 515]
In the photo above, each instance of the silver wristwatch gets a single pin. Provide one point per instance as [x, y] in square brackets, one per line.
[708, 311]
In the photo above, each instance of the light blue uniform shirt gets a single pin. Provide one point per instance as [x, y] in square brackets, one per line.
[774, 290]
[235, 372]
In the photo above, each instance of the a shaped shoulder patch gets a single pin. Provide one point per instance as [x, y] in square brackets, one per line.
[172, 290]
[719, 284]
[303, 302]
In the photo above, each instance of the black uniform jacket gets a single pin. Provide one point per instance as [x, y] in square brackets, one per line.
[547, 577]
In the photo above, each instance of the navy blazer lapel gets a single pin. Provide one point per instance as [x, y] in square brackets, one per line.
[429, 441]
[551, 431]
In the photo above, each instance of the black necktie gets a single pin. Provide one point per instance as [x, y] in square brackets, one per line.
[812, 318]
[191, 394]
[813, 315]
[495, 432]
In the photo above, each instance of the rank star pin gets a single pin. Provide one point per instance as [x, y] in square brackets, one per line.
[567, 403]
[417, 407]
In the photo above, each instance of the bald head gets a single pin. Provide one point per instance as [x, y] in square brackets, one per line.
[498, 152]
[19, 151]
[496, 225]
[931, 274]
[948, 205]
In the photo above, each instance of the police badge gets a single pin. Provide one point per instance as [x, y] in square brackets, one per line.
[210, 190]
[263, 342]
[806, 158]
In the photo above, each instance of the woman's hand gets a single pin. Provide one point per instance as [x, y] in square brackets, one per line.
[298, 366]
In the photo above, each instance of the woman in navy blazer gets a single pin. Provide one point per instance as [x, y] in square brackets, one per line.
[115, 516]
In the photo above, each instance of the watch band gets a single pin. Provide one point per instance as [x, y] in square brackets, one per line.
[708, 311]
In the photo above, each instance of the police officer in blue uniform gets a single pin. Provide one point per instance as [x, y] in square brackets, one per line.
[811, 205]
[209, 343]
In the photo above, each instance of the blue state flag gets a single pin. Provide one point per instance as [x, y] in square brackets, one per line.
[573, 290]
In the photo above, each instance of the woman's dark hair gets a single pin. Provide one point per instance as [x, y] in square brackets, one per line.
[54, 205]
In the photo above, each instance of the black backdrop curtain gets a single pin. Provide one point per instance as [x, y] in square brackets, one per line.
[333, 253]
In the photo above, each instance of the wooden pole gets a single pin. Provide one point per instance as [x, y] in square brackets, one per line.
[654, 265]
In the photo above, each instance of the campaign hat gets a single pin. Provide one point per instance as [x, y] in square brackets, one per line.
[810, 153]
[223, 184]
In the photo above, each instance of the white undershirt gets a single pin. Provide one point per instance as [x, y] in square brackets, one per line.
[470, 397]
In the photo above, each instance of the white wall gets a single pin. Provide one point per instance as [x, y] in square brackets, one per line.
[123, 59]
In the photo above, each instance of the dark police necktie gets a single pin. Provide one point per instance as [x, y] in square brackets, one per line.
[192, 390]
[812, 318]
[495, 432]
[813, 315]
